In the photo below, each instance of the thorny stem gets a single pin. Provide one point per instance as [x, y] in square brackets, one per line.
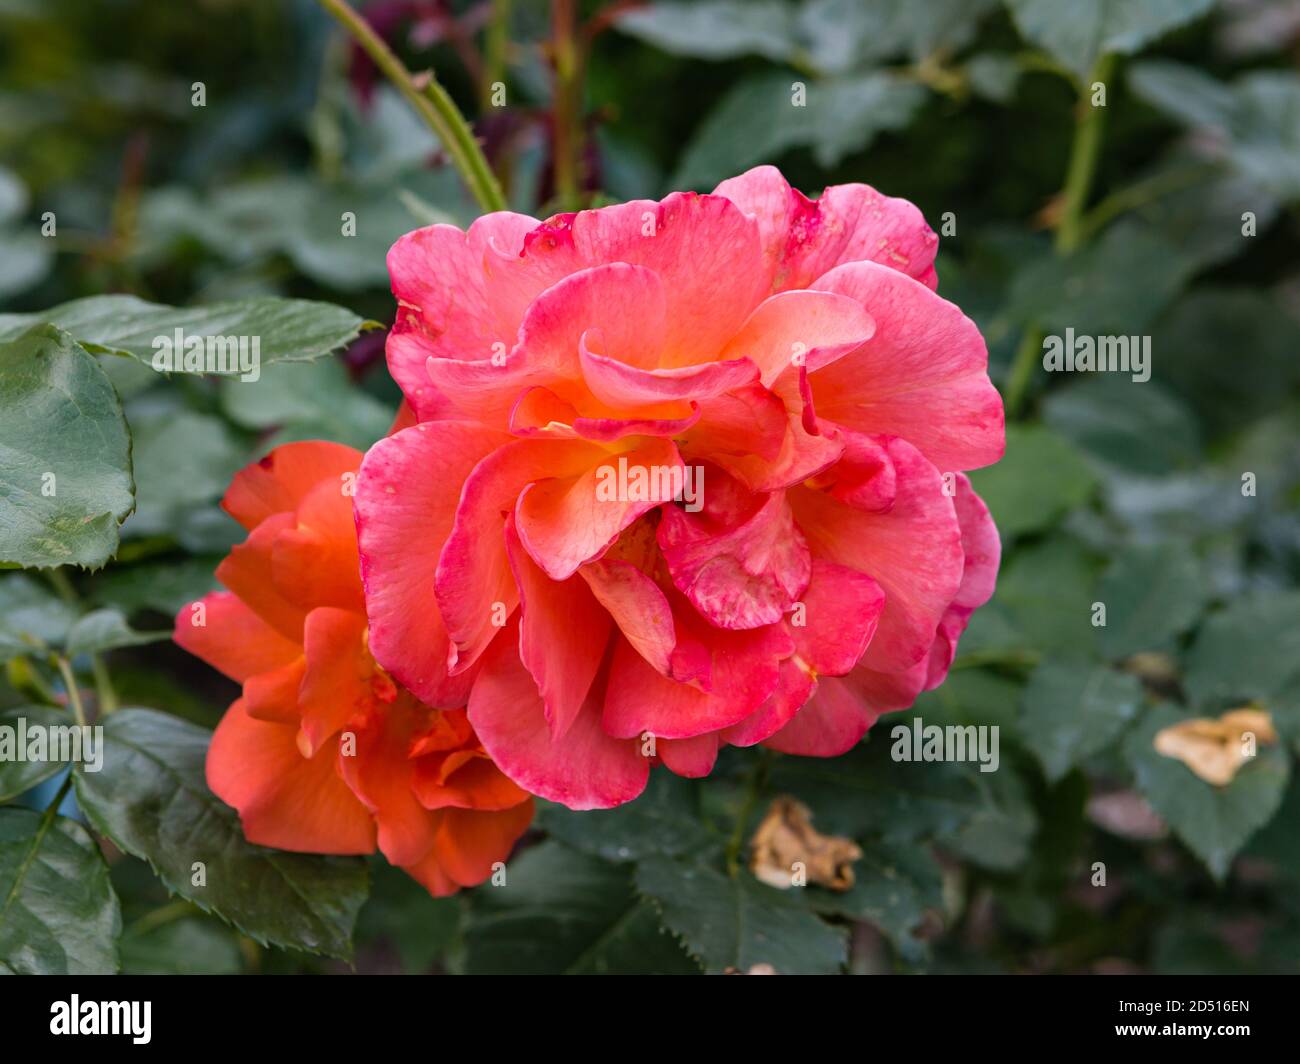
[757, 781]
[432, 103]
[1085, 149]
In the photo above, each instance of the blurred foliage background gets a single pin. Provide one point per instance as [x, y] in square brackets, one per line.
[1171, 212]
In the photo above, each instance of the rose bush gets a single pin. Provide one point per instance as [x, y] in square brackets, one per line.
[791, 359]
[324, 753]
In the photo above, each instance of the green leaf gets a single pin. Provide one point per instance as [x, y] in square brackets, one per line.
[715, 29]
[316, 401]
[833, 36]
[1002, 823]
[1043, 604]
[984, 816]
[842, 35]
[565, 912]
[164, 585]
[287, 330]
[895, 886]
[1202, 213]
[306, 219]
[973, 696]
[58, 913]
[1253, 121]
[400, 911]
[65, 454]
[26, 258]
[183, 461]
[994, 76]
[31, 615]
[13, 196]
[1040, 478]
[1249, 650]
[151, 798]
[740, 922]
[1225, 392]
[1152, 592]
[189, 946]
[663, 821]
[1079, 33]
[1073, 711]
[1115, 286]
[758, 120]
[1214, 822]
[106, 629]
[17, 774]
[1142, 430]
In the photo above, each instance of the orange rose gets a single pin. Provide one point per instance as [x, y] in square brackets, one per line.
[325, 753]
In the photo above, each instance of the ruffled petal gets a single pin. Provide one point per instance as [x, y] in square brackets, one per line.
[340, 680]
[232, 638]
[470, 842]
[743, 670]
[249, 571]
[584, 769]
[475, 589]
[922, 376]
[738, 575]
[406, 501]
[565, 522]
[913, 551]
[562, 635]
[280, 481]
[803, 239]
[794, 329]
[285, 800]
[637, 606]
[692, 758]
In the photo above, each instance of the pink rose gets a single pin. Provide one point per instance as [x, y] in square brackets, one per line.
[682, 474]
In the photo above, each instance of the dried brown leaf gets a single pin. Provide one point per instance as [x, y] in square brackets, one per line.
[786, 839]
[1216, 749]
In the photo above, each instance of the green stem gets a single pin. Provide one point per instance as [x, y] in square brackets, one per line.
[757, 781]
[105, 692]
[1022, 369]
[1085, 150]
[432, 103]
[1139, 194]
[1084, 153]
[74, 692]
[495, 46]
[62, 585]
[567, 116]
